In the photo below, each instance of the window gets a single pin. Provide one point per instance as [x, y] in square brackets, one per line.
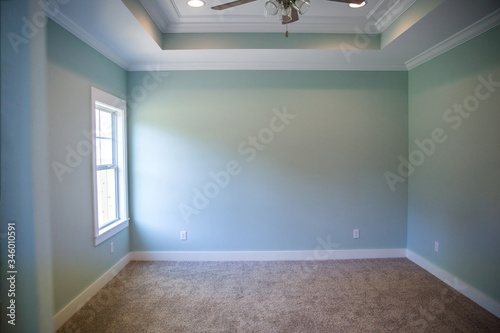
[109, 165]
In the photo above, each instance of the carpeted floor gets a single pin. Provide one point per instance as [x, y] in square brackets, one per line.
[369, 295]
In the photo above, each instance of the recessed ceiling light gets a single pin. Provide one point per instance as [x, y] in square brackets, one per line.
[357, 5]
[196, 3]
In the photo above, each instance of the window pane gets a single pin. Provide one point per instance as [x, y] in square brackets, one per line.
[106, 124]
[106, 196]
[104, 151]
[97, 122]
[98, 151]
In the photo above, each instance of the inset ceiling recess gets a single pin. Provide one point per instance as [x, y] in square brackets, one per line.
[287, 10]
[356, 29]
[330, 35]
[318, 16]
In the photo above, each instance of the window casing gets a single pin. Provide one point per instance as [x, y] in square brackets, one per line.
[110, 190]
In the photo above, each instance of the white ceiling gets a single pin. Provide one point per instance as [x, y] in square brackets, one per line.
[323, 16]
[110, 28]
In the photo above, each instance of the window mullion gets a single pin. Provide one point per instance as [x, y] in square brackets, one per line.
[107, 166]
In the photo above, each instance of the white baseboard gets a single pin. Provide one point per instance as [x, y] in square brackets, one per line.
[69, 310]
[267, 255]
[469, 291]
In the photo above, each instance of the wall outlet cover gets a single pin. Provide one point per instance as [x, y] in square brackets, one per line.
[355, 233]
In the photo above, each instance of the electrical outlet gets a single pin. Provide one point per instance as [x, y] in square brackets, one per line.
[111, 247]
[436, 246]
[183, 235]
[355, 233]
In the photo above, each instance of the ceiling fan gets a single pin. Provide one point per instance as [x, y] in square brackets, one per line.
[289, 9]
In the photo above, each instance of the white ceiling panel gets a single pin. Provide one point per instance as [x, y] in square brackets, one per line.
[175, 16]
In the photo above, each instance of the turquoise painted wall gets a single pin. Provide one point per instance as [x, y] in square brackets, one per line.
[454, 195]
[23, 174]
[73, 67]
[313, 176]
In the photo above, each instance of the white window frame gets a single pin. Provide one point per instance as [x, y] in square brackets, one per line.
[107, 101]
[114, 163]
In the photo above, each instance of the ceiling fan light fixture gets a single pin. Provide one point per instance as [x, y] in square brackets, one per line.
[302, 6]
[286, 14]
[272, 7]
[357, 5]
[196, 3]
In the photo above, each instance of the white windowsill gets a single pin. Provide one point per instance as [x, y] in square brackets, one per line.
[110, 231]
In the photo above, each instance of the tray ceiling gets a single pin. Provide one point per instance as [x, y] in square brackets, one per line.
[175, 16]
[167, 35]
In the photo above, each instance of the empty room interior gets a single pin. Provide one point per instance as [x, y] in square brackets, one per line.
[257, 166]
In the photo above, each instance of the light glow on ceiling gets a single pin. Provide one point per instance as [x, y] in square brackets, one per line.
[357, 5]
[196, 3]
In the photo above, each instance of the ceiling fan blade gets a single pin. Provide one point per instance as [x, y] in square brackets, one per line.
[295, 16]
[232, 4]
[348, 1]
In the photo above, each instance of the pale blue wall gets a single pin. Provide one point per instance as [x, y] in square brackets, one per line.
[322, 176]
[454, 196]
[73, 67]
[23, 171]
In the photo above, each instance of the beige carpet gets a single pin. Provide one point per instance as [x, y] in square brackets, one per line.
[375, 295]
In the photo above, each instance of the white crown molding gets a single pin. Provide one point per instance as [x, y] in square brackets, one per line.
[457, 39]
[263, 27]
[86, 37]
[155, 12]
[267, 255]
[257, 65]
[464, 288]
[381, 24]
[374, 9]
[168, 18]
[69, 310]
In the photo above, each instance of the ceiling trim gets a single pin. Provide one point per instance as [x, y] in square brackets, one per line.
[155, 13]
[381, 16]
[268, 41]
[261, 65]
[455, 40]
[86, 37]
[265, 27]
[390, 15]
